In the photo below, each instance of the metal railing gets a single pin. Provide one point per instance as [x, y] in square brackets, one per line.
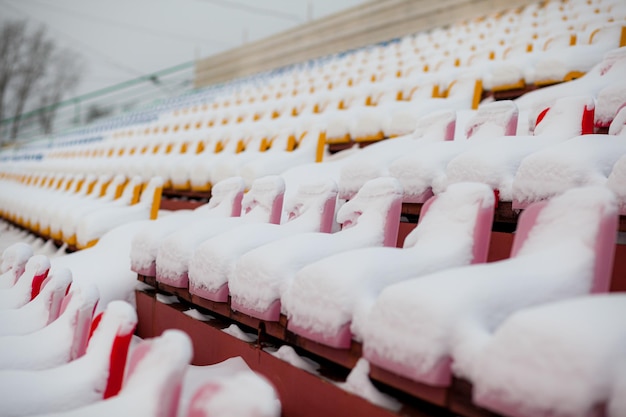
[138, 95]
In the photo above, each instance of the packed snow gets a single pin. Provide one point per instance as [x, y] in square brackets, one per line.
[556, 359]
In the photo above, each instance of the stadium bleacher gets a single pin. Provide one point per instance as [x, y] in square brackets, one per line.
[443, 214]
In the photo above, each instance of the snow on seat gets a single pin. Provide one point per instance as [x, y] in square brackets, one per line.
[65, 338]
[28, 284]
[115, 190]
[263, 275]
[152, 382]
[610, 100]
[199, 169]
[423, 170]
[244, 394]
[13, 263]
[373, 161]
[53, 210]
[262, 204]
[41, 311]
[495, 162]
[582, 161]
[616, 181]
[461, 94]
[254, 147]
[225, 201]
[304, 148]
[212, 266]
[93, 225]
[557, 359]
[425, 328]
[564, 64]
[92, 377]
[68, 189]
[57, 214]
[618, 125]
[608, 72]
[331, 297]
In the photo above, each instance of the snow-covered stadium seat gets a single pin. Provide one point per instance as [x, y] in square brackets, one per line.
[93, 225]
[226, 197]
[562, 358]
[212, 267]
[582, 161]
[495, 162]
[264, 274]
[42, 310]
[262, 204]
[423, 171]
[152, 382]
[94, 376]
[330, 298]
[425, 328]
[28, 284]
[13, 263]
[233, 396]
[373, 161]
[65, 338]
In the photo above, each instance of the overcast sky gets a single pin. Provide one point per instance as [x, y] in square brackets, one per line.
[124, 39]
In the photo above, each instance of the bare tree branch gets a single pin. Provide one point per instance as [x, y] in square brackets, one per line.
[34, 59]
[63, 75]
[12, 35]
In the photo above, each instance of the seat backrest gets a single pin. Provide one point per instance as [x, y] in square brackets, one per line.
[493, 120]
[115, 188]
[461, 208]
[618, 125]
[439, 125]
[109, 337]
[566, 118]
[159, 363]
[377, 204]
[14, 259]
[264, 201]
[132, 191]
[55, 291]
[226, 197]
[314, 203]
[608, 103]
[80, 303]
[151, 196]
[588, 215]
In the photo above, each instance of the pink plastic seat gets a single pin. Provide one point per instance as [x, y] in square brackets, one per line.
[421, 172]
[94, 376]
[331, 297]
[262, 204]
[557, 367]
[23, 351]
[28, 285]
[486, 294]
[152, 383]
[13, 263]
[214, 399]
[369, 219]
[39, 312]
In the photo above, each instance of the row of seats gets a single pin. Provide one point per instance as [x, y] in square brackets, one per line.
[77, 209]
[245, 116]
[339, 286]
[90, 365]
